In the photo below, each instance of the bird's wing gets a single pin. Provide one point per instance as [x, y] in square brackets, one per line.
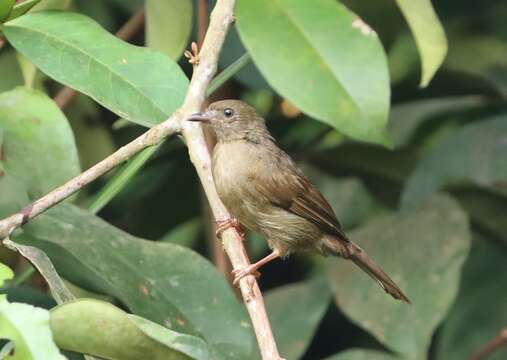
[289, 189]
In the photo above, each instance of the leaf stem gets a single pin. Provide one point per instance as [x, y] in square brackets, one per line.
[228, 72]
[24, 276]
[121, 179]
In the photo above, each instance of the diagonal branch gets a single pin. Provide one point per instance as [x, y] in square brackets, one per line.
[494, 344]
[221, 19]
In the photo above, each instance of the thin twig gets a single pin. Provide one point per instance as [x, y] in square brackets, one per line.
[129, 29]
[221, 19]
[499, 340]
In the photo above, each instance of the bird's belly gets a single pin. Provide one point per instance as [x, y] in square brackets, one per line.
[233, 174]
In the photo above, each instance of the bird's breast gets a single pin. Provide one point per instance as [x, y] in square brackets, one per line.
[236, 166]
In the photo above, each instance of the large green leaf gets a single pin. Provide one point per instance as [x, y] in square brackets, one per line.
[168, 25]
[481, 303]
[322, 58]
[28, 327]
[295, 311]
[428, 33]
[138, 84]
[38, 145]
[423, 252]
[475, 153]
[101, 329]
[166, 283]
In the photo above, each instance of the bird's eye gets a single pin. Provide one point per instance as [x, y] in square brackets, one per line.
[228, 112]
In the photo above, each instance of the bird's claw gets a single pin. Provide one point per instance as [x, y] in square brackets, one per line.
[241, 273]
[193, 55]
[223, 225]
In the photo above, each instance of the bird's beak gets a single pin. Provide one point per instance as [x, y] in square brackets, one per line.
[200, 117]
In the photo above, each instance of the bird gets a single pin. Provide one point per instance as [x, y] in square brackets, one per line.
[265, 192]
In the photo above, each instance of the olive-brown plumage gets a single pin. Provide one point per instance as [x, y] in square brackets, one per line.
[264, 190]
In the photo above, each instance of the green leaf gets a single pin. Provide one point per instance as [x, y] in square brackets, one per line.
[5, 274]
[473, 154]
[360, 354]
[407, 118]
[428, 33]
[101, 329]
[11, 72]
[38, 144]
[165, 283]
[322, 58]
[294, 325]
[28, 327]
[423, 252]
[491, 65]
[185, 234]
[22, 8]
[93, 138]
[168, 25]
[481, 302]
[41, 261]
[486, 208]
[136, 83]
[5, 9]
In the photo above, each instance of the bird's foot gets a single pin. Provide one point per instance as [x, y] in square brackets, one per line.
[241, 273]
[223, 225]
[193, 55]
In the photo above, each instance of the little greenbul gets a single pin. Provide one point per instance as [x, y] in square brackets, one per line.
[265, 192]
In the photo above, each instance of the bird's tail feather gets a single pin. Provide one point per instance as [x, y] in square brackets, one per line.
[353, 252]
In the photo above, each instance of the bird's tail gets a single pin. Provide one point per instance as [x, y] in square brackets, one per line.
[353, 252]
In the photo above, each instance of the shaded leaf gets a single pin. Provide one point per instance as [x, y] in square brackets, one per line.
[295, 312]
[168, 25]
[428, 33]
[406, 118]
[481, 302]
[490, 65]
[5, 9]
[11, 72]
[473, 154]
[334, 57]
[28, 327]
[101, 329]
[38, 144]
[423, 252]
[22, 8]
[358, 354]
[185, 234]
[138, 84]
[42, 263]
[165, 283]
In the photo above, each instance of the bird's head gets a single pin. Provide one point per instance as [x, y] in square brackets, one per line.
[233, 120]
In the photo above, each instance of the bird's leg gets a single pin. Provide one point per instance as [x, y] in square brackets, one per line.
[252, 268]
[223, 225]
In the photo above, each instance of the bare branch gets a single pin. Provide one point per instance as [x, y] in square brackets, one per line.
[499, 340]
